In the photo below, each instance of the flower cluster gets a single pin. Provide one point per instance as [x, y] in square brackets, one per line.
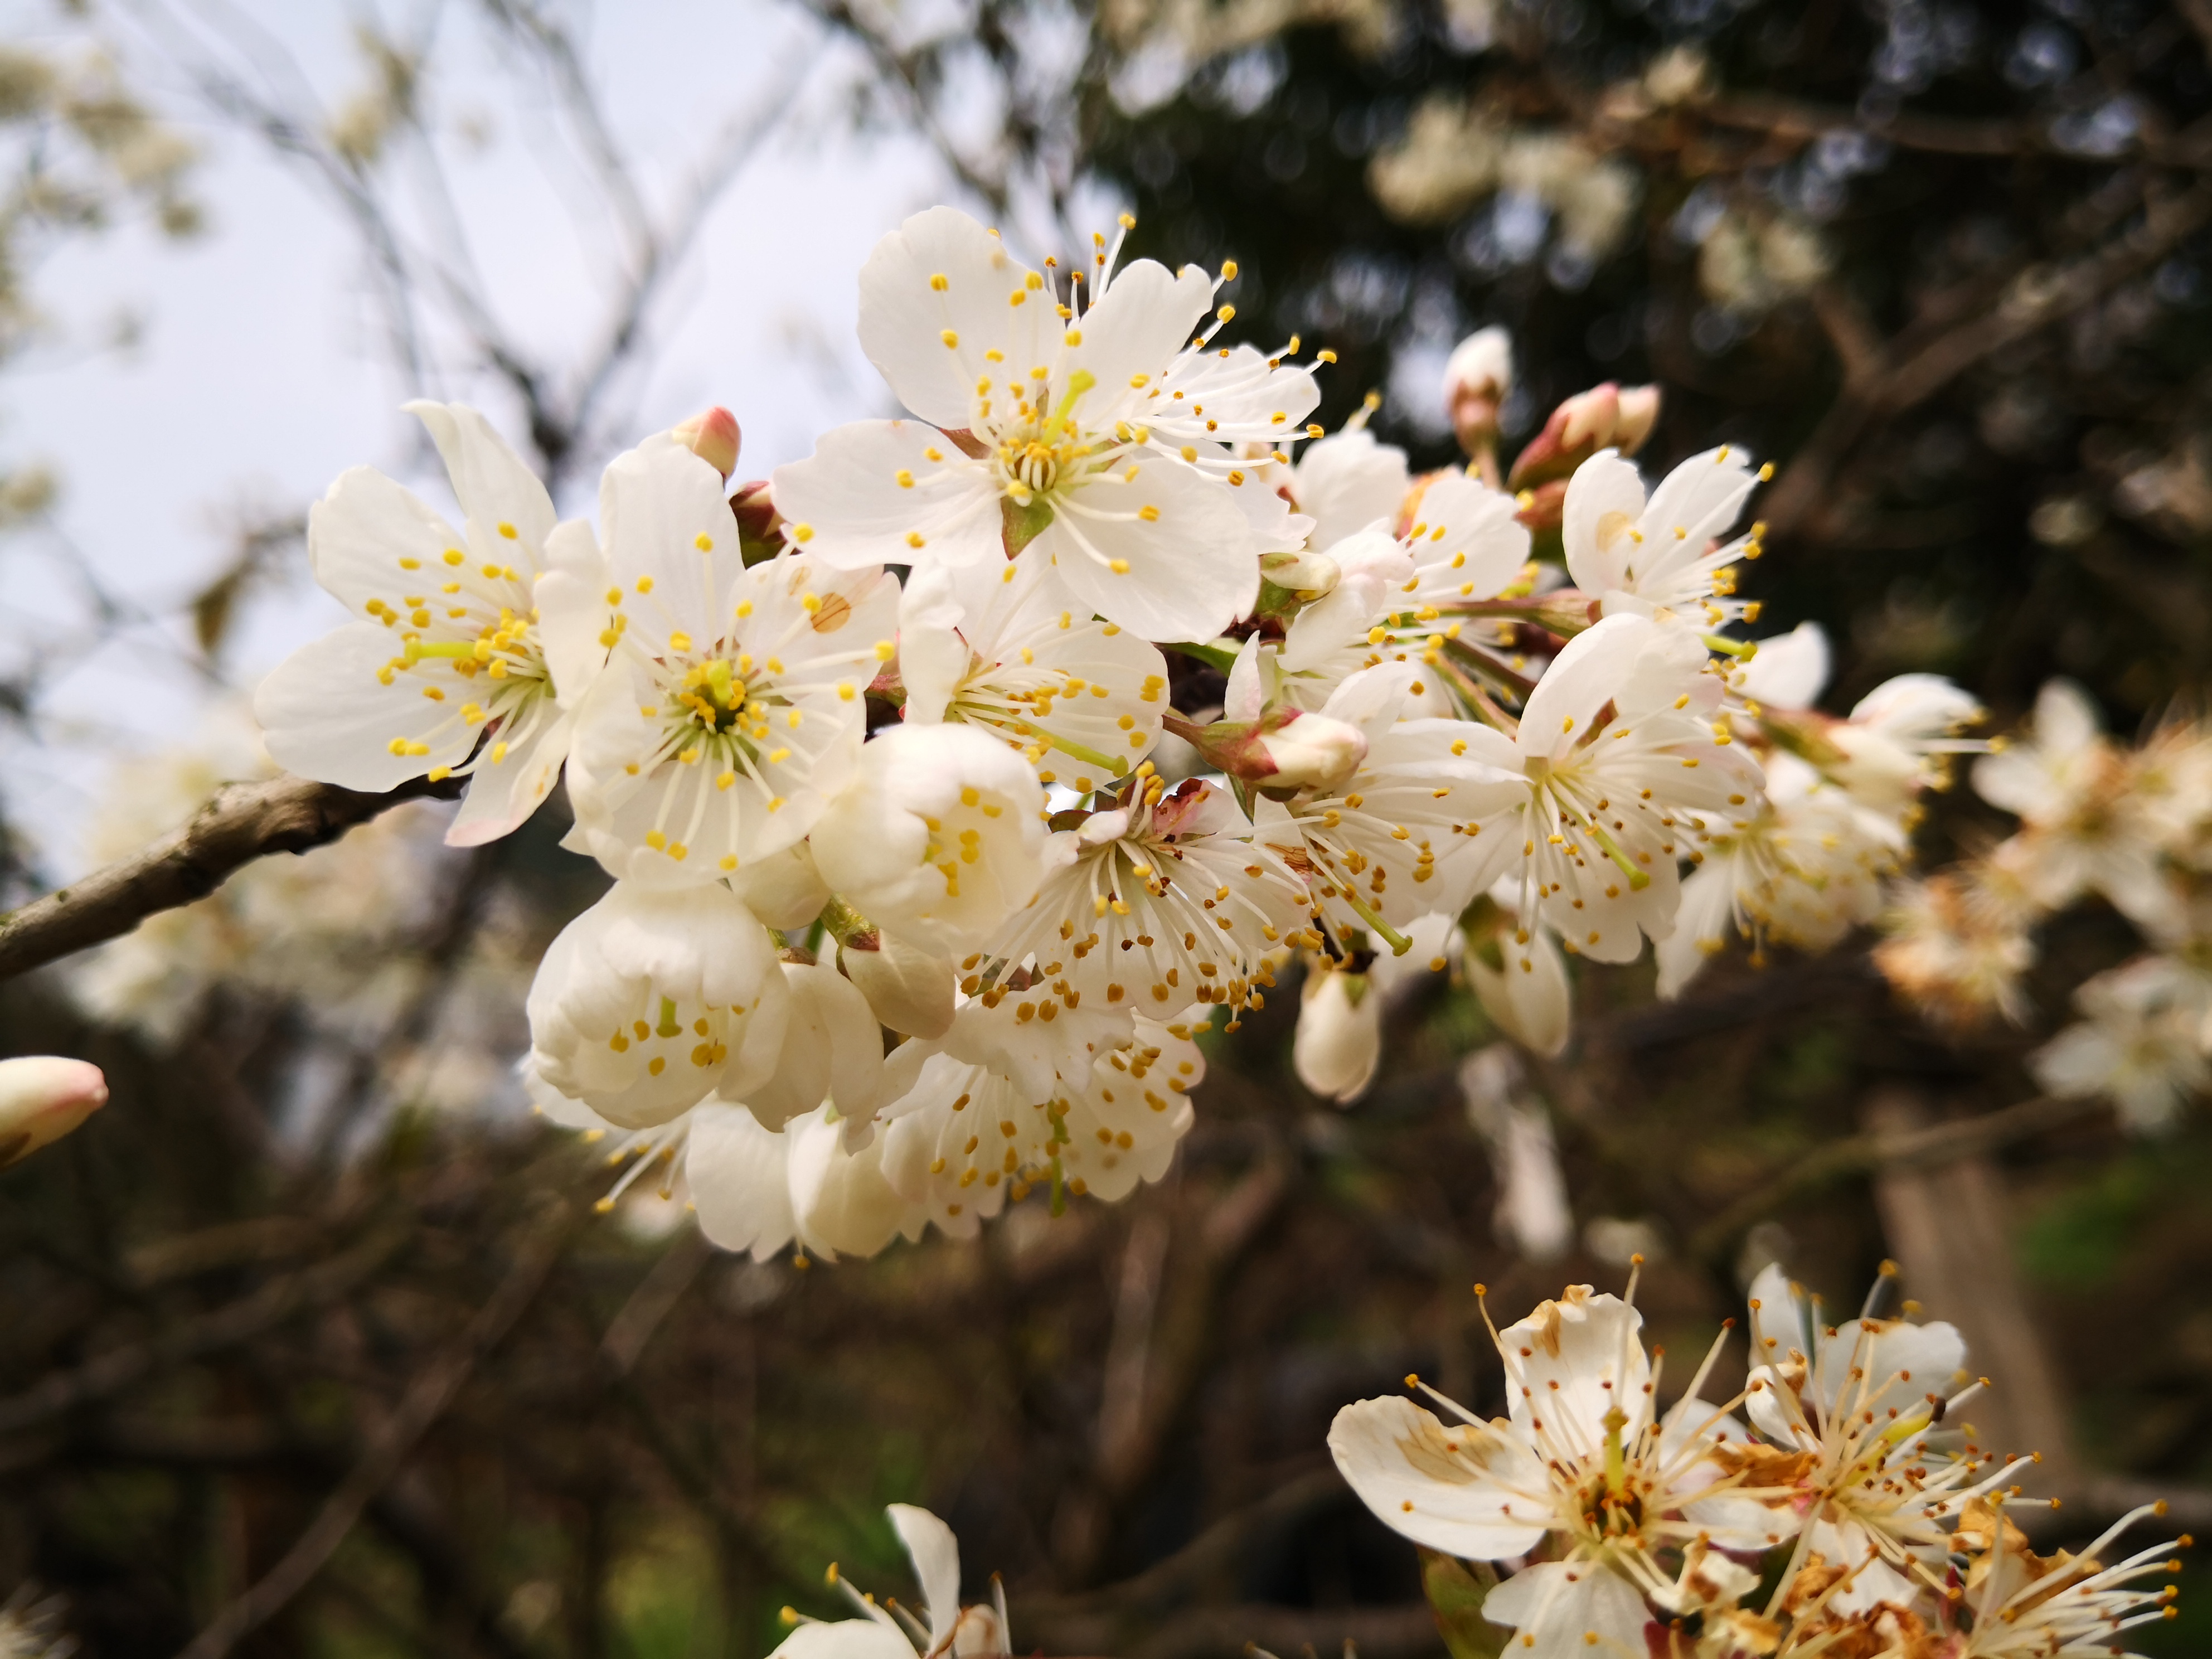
[1839, 1504]
[2129, 827]
[925, 881]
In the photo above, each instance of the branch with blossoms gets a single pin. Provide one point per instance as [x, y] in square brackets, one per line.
[852, 981]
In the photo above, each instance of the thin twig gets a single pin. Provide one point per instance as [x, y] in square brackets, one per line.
[424, 1402]
[1862, 1154]
[242, 1321]
[241, 822]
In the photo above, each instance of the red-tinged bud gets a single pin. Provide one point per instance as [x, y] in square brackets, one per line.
[42, 1098]
[759, 525]
[713, 437]
[1284, 751]
[1543, 507]
[1477, 377]
[1604, 417]
[1639, 413]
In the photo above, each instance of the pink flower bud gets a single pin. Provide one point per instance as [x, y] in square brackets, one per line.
[713, 437]
[1604, 417]
[42, 1098]
[1284, 750]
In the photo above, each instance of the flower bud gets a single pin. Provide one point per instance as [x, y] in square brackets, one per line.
[713, 437]
[759, 525]
[1303, 576]
[1604, 417]
[1284, 750]
[1519, 978]
[1340, 1036]
[1477, 377]
[42, 1098]
[909, 988]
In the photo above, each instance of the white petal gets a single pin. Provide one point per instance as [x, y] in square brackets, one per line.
[1347, 481]
[573, 610]
[326, 716]
[935, 1553]
[493, 484]
[663, 516]
[904, 316]
[1570, 1609]
[502, 793]
[1392, 1454]
[1581, 679]
[1136, 329]
[1791, 669]
[1605, 498]
[845, 1638]
[364, 527]
[1190, 571]
[847, 497]
[735, 1170]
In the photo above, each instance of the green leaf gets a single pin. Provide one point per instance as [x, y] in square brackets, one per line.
[1457, 1590]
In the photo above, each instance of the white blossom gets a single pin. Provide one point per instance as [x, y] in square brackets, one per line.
[1584, 1465]
[1003, 645]
[1665, 556]
[473, 648]
[1104, 436]
[654, 998]
[1160, 902]
[2068, 785]
[732, 710]
[2142, 1044]
[939, 835]
[1618, 766]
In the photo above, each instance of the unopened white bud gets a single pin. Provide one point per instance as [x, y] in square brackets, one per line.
[1313, 752]
[1339, 1037]
[42, 1098]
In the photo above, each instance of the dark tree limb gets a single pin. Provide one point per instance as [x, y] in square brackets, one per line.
[1863, 1154]
[242, 822]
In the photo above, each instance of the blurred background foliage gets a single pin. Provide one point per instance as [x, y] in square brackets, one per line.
[1947, 263]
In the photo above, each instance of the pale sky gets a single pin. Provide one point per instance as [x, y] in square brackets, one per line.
[263, 373]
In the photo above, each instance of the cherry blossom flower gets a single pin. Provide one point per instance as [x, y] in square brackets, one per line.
[1004, 647]
[939, 835]
[1584, 1466]
[1163, 900]
[964, 1138]
[472, 646]
[1665, 556]
[1106, 437]
[1619, 767]
[732, 710]
[1518, 972]
[888, 1630]
[2019, 1605]
[2070, 787]
[1386, 847]
[654, 998]
[1804, 871]
[1854, 1406]
[2142, 1045]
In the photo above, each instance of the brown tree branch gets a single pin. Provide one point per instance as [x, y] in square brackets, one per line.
[424, 1402]
[239, 1321]
[242, 822]
[1863, 1154]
